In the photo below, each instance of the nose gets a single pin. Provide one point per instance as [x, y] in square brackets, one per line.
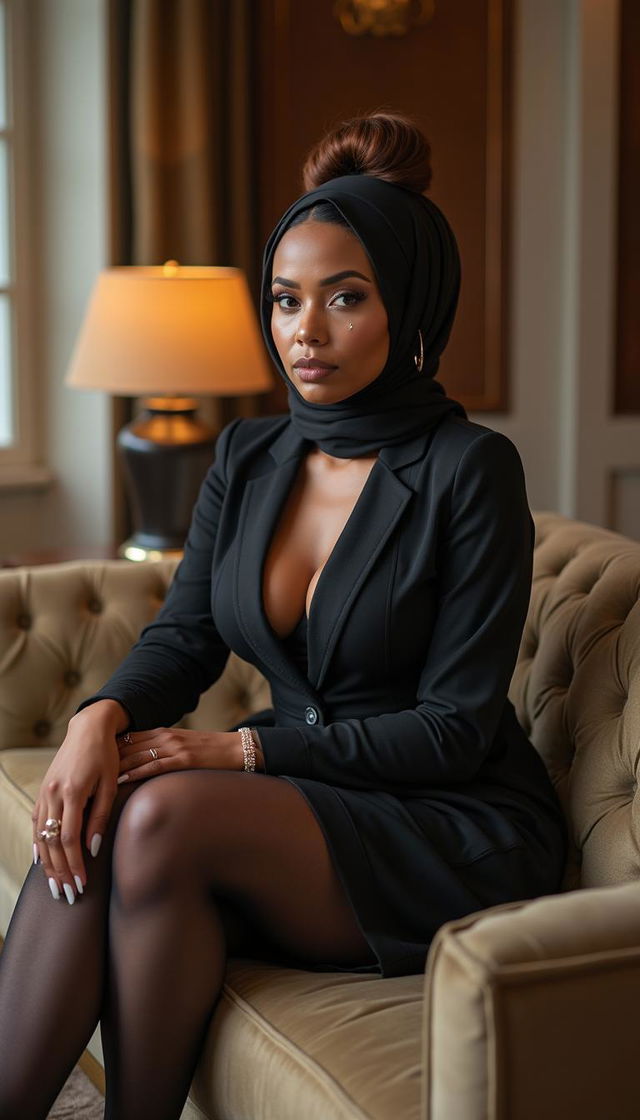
[310, 328]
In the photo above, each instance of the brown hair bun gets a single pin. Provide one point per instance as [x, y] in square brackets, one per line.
[386, 145]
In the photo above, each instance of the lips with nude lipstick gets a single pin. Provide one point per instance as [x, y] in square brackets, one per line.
[312, 369]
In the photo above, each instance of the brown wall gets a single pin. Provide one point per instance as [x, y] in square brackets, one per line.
[627, 386]
[453, 77]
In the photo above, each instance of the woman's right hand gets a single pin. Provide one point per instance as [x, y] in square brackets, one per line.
[86, 765]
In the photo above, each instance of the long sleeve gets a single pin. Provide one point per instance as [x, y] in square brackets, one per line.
[180, 654]
[485, 560]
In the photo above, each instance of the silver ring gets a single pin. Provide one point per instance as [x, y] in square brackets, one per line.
[126, 738]
[51, 829]
[153, 752]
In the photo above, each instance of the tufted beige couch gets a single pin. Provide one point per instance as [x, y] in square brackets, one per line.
[529, 1010]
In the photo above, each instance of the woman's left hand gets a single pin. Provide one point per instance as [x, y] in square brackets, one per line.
[145, 754]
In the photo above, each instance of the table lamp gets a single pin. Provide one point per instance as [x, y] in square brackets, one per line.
[166, 334]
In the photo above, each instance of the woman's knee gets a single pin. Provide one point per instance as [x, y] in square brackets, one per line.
[151, 841]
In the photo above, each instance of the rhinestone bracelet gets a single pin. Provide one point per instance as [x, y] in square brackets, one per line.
[248, 749]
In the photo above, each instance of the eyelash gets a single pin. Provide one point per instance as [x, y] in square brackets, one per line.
[357, 297]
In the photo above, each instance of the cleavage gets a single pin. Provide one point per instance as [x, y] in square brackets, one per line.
[313, 517]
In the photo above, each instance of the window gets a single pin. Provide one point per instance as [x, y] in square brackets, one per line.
[18, 440]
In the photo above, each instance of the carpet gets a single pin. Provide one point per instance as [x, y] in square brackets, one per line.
[79, 1100]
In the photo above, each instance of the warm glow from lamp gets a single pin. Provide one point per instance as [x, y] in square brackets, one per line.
[170, 329]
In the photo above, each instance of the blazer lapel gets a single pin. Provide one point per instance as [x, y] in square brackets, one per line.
[369, 527]
[371, 523]
[262, 503]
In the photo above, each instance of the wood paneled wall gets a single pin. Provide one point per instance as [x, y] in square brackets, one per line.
[454, 77]
[627, 384]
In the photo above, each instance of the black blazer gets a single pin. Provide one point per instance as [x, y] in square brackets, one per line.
[413, 631]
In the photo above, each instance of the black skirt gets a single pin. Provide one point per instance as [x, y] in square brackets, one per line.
[410, 864]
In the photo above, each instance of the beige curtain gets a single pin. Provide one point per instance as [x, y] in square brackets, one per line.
[182, 175]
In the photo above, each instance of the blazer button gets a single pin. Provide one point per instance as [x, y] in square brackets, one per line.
[311, 715]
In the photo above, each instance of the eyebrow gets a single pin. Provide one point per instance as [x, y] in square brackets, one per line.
[323, 283]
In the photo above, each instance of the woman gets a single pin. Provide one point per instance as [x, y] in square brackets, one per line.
[371, 553]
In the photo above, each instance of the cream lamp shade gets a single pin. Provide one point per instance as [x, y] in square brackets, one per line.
[170, 329]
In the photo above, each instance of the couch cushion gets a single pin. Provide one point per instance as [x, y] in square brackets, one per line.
[324, 1046]
[20, 777]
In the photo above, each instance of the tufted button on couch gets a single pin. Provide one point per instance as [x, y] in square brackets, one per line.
[527, 1010]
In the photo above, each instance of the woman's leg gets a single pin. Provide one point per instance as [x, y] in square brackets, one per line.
[51, 983]
[52, 980]
[187, 842]
[52, 970]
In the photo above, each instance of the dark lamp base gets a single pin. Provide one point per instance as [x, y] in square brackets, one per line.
[166, 452]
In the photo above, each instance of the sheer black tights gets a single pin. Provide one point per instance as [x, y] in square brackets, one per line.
[196, 864]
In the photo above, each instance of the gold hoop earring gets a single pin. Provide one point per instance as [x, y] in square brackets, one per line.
[419, 357]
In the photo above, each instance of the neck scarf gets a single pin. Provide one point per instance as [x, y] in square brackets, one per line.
[414, 255]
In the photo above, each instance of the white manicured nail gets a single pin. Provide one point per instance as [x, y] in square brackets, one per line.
[121, 779]
[68, 890]
[36, 857]
[53, 887]
[96, 841]
[78, 881]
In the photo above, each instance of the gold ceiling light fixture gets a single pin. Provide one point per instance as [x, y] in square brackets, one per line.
[383, 17]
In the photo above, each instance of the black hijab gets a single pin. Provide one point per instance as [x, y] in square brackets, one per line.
[415, 259]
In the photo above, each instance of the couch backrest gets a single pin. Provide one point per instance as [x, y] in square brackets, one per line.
[65, 627]
[576, 690]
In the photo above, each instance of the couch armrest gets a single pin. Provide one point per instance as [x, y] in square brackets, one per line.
[532, 1009]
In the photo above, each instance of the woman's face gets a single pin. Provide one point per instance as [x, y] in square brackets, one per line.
[322, 282]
